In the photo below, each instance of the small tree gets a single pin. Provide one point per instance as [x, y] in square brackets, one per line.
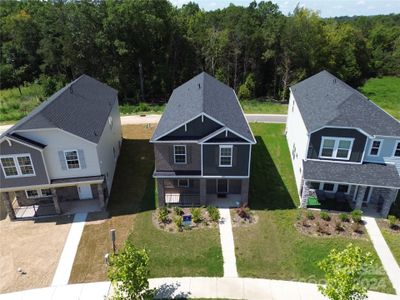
[343, 271]
[129, 273]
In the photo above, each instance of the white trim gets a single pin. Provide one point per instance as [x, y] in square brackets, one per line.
[40, 194]
[248, 125]
[332, 160]
[175, 128]
[356, 184]
[248, 168]
[336, 147]
[211, 135]
[379, 148]
[183, 185]
[369, 194]
[77, 155]
[396, 143]
[17, 166]
[227, 186]
[230, 156]
[342, 127]
[175, 141]
[180, 163]
[201, 159]
[7, 138]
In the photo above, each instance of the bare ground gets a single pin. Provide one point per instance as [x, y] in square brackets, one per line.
[33, 246]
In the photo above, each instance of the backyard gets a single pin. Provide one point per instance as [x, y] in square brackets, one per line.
[273, 248]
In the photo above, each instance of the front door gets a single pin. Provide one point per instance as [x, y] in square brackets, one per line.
[222, 186]
[85, 192]
[367, 194]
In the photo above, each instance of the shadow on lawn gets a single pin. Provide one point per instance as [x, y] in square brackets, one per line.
[267, 189]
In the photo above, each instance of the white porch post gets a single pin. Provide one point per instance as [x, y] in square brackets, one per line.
[304, 194]
[360, 196]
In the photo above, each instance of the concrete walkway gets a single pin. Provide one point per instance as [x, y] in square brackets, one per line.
[63, 271]
[227, 243]
[192, 287]
[382, 249]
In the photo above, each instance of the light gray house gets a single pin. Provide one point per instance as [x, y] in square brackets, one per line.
[343, 146]
[63, 153]
[202, 146]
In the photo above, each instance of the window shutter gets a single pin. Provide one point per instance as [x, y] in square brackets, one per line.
[188, 154]
[62, 160]
[234, 156]
[82, 160]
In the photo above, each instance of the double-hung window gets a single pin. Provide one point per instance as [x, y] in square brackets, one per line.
[397, 149]
[338, 148]
[225, 155]
[179, 154]
[72, 159]
[17, 165]
[375, 146]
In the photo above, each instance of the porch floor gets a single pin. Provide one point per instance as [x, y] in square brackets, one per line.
[231, 200]
[80, 206]
[32, 211]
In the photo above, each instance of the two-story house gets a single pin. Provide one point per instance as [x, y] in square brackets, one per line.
[64, 150]
[343, 146]
[202, 146]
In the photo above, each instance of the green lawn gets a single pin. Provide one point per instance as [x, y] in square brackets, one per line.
[273, 248]
[385, 92]
[392, 239]
[263, 107]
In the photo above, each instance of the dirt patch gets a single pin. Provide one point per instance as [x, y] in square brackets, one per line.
[33, 246]
[329, 224]
[169, 221]
[243, 217]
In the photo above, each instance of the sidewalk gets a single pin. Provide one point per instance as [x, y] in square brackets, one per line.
[192, 287]
[227, 243]
[382, 249]
[63, 271]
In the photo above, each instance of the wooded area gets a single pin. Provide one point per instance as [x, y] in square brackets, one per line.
[145, 48]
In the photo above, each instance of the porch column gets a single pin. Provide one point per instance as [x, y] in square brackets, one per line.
[203, 191]
[360, 196]
[5, 197]
[161, 192]
[389, 198]
[100, 192]
[244, 197]
[55, 201]
[305, 194]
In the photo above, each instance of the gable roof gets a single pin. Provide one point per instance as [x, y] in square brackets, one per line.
[325, 100]
[203, 94]
[82, 108]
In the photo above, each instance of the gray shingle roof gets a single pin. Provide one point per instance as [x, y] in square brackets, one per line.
[203, 94]
[81, 108]
[366, 174]
[325, 100]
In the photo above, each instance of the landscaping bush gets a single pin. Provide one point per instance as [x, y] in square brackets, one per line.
[178, 220]
[163, 215]
[196, 214]
[213, 213]
[338, 225]
[356, 215]
[325, 216]
[344, 217]
[319, 227]
[310, 215]
[243, 212]
[178, 211]
[392, 221]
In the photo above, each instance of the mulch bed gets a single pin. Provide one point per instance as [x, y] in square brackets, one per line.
[385, 223]
[170, 225]
[332, 228]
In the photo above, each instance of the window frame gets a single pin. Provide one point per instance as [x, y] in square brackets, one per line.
[180, 154]
[379, 148]
[77, 156]
[17, 166]
[335, 149]
[39, 194]
[396, 144]
[221, 156]
[183, 185]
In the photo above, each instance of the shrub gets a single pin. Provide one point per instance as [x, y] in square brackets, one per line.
[213, 213]
[356, 215]
[243, 212]
[178, 211]
[344, 217]
[319, 228]
[392, 221]
[196, 214]
[325, 216]
[178, 220]
[310, 215]
[163, 215]
[338, 226]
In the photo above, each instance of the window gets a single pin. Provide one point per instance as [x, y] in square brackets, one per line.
[397, 150]
[183, 183]
[72, 159]
[38, 193]
[17, 165]
[180, 154]
[329, 187]
[314, 185]
[344, 188]
[339, 148]
[375, 146]
[225, 155]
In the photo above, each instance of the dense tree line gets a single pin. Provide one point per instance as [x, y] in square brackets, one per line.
[145, 48]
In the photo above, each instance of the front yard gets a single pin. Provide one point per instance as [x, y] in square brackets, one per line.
[392, 237]
[273, 247]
